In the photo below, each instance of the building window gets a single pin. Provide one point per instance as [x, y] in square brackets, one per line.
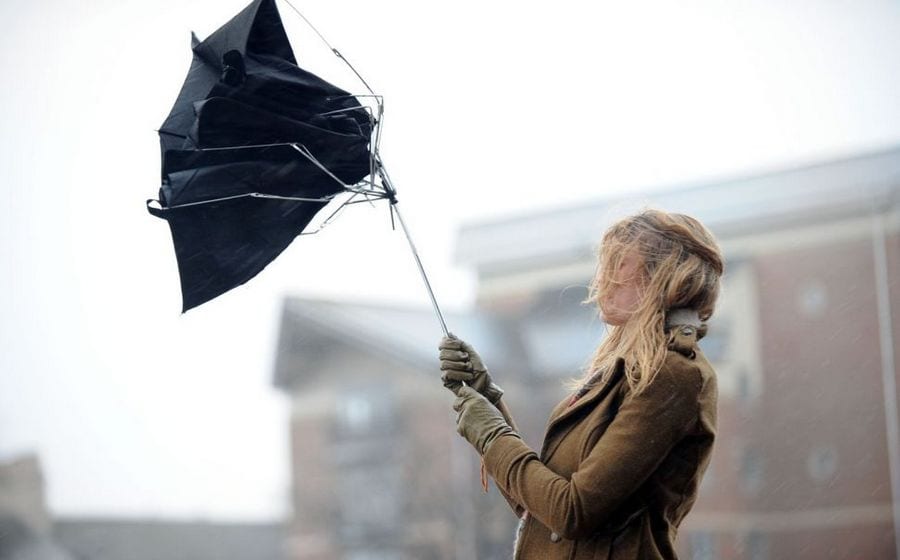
[822, 463]
[364, 412]
[355, 412]
[813, 298]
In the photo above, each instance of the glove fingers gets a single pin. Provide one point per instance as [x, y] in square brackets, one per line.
[458, 366]
[456, 375]
[448, 354]
[448, 343]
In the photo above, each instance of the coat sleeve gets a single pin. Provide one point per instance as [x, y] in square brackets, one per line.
[646, 427]
[513, 504]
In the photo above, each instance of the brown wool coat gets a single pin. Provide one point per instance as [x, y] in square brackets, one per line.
[617, 472]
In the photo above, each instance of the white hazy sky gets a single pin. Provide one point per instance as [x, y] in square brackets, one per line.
[492, 108]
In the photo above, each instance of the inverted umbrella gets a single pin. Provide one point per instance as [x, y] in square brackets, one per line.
[253, 148]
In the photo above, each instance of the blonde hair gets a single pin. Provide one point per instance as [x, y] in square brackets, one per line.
[682, 268]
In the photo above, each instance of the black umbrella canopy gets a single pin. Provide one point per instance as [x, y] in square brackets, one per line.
[253, 148]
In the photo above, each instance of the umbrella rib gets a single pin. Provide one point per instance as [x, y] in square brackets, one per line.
[331, 216]
[365, 108]
[366, 201]
[308, 155]
[336, 211]
[303, 150]
[250, 195]
[246, 146]
[292, 198]
[336, 52]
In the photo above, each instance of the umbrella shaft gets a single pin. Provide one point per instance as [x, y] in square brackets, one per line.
[437, 310]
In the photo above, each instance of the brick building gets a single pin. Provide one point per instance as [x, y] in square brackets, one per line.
[806, 462]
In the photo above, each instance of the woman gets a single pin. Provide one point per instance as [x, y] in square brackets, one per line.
[624, 454]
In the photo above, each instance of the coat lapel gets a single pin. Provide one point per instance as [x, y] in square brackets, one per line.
[564, 411]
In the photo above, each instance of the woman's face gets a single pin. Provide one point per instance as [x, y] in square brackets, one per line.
[619, 303]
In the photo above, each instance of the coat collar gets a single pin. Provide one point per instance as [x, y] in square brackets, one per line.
[557, 425]
[564, 410]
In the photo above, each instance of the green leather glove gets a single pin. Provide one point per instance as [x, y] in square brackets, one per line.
[478, 420]
[460, 363]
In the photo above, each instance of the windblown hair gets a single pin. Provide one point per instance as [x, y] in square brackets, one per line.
[682, 267]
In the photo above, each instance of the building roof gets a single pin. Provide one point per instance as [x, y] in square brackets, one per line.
[729, 207]
[410, 335]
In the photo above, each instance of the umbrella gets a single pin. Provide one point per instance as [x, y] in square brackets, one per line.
[253, 148]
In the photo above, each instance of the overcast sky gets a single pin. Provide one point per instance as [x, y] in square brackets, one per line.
[492, 108]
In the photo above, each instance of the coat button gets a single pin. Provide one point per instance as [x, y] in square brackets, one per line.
[554, 537]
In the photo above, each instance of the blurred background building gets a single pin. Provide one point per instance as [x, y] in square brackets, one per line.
[26, 527]
[28, 530]
[806, 462]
